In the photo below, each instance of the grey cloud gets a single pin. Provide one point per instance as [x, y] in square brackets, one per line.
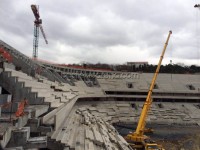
[97, 30]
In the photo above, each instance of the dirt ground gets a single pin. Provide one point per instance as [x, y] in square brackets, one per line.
[178, 137]
[186, 143]
[171, 137]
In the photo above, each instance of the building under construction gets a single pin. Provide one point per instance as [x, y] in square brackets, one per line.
[58, 107]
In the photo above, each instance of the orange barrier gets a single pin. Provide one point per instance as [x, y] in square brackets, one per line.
[20, 110]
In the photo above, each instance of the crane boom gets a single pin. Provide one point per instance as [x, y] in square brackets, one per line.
[147, 104]
[138, 136]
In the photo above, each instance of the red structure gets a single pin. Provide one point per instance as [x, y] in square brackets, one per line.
[5, 55]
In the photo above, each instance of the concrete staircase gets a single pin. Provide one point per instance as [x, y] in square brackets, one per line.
[24, 86]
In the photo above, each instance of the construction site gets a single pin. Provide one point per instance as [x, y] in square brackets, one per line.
[53, 106]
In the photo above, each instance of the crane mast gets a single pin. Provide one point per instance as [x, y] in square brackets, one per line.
[138, 135]
[37, 25]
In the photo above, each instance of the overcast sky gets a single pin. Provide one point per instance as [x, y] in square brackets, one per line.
[106, 31]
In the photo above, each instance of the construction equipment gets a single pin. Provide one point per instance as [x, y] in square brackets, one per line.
[138, 140]
[37, 25]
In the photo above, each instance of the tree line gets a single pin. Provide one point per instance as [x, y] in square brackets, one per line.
[150, 68]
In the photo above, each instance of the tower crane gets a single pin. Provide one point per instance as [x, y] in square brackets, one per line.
[37, 25]
[137, 139]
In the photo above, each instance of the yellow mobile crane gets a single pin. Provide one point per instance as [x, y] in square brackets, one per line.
[138, 140]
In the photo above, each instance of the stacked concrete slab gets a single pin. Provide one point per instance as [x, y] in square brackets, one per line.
[83, 131]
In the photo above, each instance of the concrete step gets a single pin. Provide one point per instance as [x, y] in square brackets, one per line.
[5, 98]
[8, 65]
[33, 89]
[64, 99]
[56, 104]
[18, 89]
[50, 99]
[34, 83]
[18, 74]
[44, 94]
[68, 95]
[48, 82]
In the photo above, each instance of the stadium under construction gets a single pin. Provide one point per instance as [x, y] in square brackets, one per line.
[51, 106]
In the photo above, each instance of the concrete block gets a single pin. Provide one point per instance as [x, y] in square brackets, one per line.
[112, 137]
[20, 137]
[89, 145]
[97, 137]
[89, 134]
